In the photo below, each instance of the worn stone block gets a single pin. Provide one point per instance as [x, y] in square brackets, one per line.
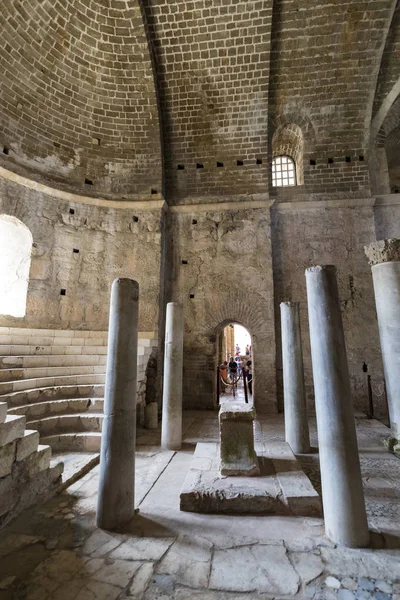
[205, 491]
[7, 457]
[238, 456]
[3, 411]
[27, 444]
[12, 428]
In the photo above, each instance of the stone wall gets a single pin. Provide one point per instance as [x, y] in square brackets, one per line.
[222, 273]
[331, 232]
[80, 248]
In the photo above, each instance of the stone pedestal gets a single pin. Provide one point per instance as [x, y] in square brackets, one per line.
[171, 424]
[384, 258]
[238, 456]
[151, 415]
[296, 418]
[116, 498]
[342, 492]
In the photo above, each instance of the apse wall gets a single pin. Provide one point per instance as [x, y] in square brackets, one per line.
[222, 273]
[78, 249]
[78, 101]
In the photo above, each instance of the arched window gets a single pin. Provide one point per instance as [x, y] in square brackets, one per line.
[283, 171]
[15, 262]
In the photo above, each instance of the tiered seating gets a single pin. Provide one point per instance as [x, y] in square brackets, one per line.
[25, 473]
[55, 378]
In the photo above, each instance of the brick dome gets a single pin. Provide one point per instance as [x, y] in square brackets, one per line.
[78, 101]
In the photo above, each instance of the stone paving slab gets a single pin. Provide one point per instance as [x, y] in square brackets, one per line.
[281, 488]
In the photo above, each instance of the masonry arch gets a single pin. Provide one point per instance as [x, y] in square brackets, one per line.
[288, 141]
[234, 340]
[384, 163]
[15, 262]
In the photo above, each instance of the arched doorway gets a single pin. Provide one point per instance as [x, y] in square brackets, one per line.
[234, 368]
[15, 262]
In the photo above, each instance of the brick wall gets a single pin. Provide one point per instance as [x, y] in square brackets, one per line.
[323, 59]
[77, 100]
[212, 65]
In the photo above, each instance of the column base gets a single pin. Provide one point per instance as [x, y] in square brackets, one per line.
[393, 445]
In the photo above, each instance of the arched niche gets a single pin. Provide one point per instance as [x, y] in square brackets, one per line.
[288, 141]
[15, 262]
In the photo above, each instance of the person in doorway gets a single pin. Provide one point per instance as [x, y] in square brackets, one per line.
[232, 369]
[247, 350]
[249, 370]
[239, 365]
[237, 349]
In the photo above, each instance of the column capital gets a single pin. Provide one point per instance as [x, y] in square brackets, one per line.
[383, 251]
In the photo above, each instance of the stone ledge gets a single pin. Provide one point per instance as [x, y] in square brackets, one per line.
[282, 488]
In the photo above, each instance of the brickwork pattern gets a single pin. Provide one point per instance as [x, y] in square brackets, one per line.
[77, 97]
[212, 63]
[390, 66]
[322, 60]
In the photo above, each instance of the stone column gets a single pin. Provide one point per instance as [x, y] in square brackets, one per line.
[384, 258]
[116, 499]
[296, 418]
[171, 424]
[342, 491]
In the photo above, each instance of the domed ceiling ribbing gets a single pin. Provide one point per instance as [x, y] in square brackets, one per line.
[77, 99]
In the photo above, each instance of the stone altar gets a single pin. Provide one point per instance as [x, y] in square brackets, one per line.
[238, 457]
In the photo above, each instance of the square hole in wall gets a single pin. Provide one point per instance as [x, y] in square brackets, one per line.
[194, 221]
[184, 262]
[259, 161]
[71, 211]
[239, 163]
[361, 158]
[75, 251]
[88, 181]
[181, 167]
[348, 159]
[62, 292]
[191, 296]
[199, 166]
[135, 219]
[220, 164]
[153, 191]
[313, 162]
[6, 150]
[56, 145]
[330, 161]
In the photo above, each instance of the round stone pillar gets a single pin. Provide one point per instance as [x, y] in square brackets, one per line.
[116, 498]
[296, 418]
[384, 258]
[171, 424]
[342, 491]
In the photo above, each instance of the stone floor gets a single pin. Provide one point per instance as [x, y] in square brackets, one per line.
[55, 552]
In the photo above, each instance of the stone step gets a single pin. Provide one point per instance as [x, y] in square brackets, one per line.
[77, 423]
[12, 428]
[3, 411]
[51, 408]
[31, 361]
[28, 340]
[66, 333]
[26, 349]
[145, 348]
[66, 392]
[76, 442]
[45, 382]
[8, 375]
[18, 450]
[20, 490]
[25, 331]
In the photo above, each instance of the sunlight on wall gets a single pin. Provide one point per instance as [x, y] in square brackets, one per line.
[15, 261]
[242, 337]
